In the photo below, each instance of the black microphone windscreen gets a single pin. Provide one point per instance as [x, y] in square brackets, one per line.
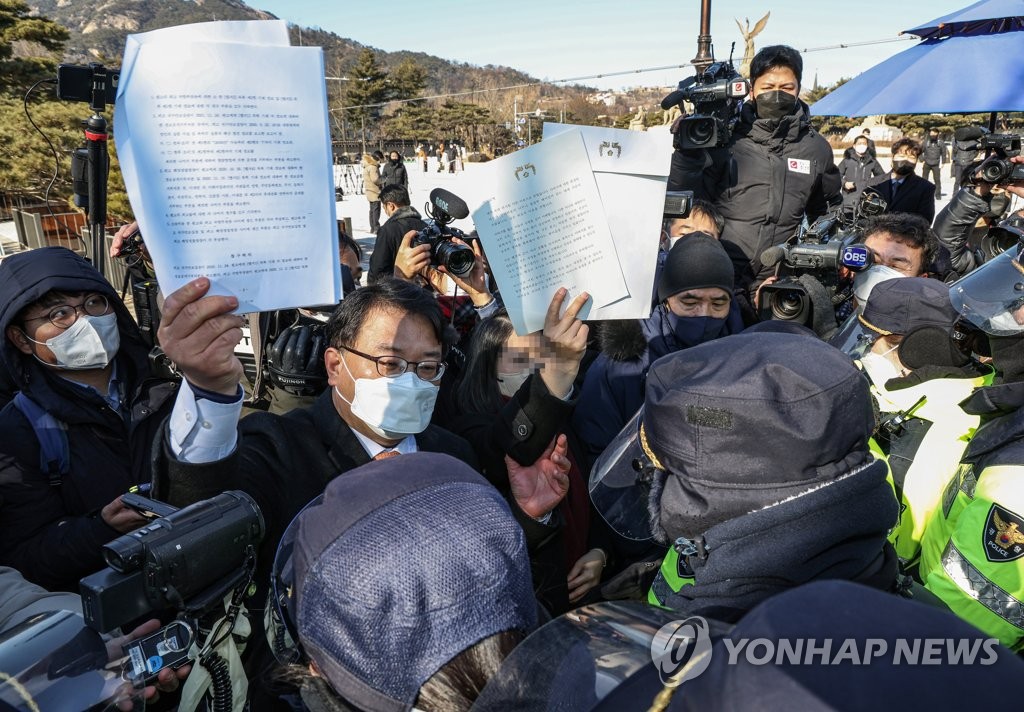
[672, 99]
[449, 203]
[772, 256]
[969, 133]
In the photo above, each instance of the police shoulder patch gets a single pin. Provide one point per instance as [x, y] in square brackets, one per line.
[1003, 538]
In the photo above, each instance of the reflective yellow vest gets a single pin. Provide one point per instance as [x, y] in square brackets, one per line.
[938, 455]
[972, 553]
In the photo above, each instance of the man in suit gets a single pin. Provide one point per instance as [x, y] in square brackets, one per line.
[903, 190]
[384, 362]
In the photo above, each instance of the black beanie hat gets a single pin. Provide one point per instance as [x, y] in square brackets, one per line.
[696, 261]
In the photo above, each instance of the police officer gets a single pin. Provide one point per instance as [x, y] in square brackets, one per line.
[918, 375]
[972, 553]
[752, 455]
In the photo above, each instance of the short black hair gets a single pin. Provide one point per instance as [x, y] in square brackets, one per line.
[777, 56]
[909, 228]
[390, 293]
[912, 146]
[394, 193]
[708, 210]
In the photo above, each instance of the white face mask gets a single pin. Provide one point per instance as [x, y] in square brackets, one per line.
[861, 149]
[509, 383]
[393, 407]
[879, 368]
[91, 342]
[864, 282]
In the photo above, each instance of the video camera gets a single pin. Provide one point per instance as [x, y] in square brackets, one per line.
[831, 242]
[996, 168]
[716, 93]
[443, 208]
[186, 559]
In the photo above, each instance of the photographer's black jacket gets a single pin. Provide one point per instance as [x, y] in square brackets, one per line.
[53, 534]
[954, 224]
[389, 239]
[765, 180]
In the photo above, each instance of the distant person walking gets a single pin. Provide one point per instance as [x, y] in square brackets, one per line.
[371, 188]
[933, 155]
[393, 172]
[452, 153]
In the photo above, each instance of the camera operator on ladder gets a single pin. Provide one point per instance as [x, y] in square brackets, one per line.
[771, 171]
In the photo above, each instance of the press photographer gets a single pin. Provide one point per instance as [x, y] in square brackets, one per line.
[827, 272]
[438, 257]
[772, 171]
[80, 432]
[957, 225]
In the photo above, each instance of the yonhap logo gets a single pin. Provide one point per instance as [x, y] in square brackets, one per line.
[681, 650]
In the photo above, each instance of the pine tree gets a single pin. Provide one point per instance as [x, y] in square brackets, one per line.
[29, 47]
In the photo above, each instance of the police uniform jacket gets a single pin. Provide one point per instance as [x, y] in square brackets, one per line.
[972, 553]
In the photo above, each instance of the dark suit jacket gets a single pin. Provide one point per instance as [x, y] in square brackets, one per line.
[915, 195]
[283, 462]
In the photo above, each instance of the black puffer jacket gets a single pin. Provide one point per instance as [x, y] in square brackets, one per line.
[53, 534]
[765, 180]
[389, 239]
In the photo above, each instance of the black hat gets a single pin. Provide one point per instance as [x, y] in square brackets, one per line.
[696, 261]
[899, 306]
[746, 421]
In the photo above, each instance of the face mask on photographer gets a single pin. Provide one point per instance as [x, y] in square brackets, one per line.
[903, 165]
[860, 149]
[392, 407]
[774, 104]
[91, 342]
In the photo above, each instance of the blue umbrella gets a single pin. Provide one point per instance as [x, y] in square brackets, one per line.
[969, 61]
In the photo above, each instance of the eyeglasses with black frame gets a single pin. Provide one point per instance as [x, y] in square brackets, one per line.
[64, 315]
[394, 366]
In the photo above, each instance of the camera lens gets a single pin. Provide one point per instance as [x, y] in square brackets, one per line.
[994, 171]
[790, 305]
[457, 259]
[700, 132]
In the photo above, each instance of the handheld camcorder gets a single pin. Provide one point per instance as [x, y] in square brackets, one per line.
[1000, 148]
[92, 83]
[186, 559]
[828, 244]
[443, 208]
[716, 94]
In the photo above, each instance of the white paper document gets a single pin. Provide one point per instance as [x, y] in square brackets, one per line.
[224, 144]
[542, 227]
[631, 168]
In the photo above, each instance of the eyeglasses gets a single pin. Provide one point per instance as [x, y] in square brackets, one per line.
[393, 366]
[64, 315]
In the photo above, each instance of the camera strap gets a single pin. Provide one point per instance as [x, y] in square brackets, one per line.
[220, 665]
